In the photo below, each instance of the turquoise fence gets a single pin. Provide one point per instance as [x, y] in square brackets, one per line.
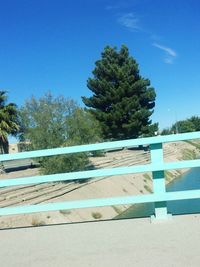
[157, 167]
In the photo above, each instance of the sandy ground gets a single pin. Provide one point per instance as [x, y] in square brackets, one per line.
[123, 185]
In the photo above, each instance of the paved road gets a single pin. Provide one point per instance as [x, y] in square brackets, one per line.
[104, 244]
[12, 165]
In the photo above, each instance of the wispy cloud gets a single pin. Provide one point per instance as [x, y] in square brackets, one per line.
[130, 21]
[168, 50]
[112, 7]
[168, 60]
[121, 5]
[170, 54]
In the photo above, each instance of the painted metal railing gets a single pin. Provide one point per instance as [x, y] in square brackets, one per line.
[157, 167]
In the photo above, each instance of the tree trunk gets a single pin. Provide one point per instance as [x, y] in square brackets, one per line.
[5, 147]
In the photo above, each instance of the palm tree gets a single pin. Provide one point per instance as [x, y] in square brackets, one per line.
[9, 124]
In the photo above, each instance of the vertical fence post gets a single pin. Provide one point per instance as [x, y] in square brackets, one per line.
[158, 181]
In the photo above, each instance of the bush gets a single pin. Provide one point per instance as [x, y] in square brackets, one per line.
[96, 215]
[66, 163]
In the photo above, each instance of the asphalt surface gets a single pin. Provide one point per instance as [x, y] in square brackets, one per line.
[135, 242]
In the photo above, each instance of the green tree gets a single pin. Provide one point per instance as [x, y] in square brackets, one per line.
[195, 120]
[83, 128]
[166, 131]
[122, 100]
[44, 121]
[51, 122]
[183, 126]
[9, 124]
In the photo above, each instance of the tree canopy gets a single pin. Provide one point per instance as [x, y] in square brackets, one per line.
[122, 100]
[51, 122]
[9, 123]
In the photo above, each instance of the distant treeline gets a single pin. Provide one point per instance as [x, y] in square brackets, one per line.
[183, 126]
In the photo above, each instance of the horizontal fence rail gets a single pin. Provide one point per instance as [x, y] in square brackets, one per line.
[98, 173]
[79, 204]
[157, 167]
[101, 146]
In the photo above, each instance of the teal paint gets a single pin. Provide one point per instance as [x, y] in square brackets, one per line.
[102, 202]
[101, 146]
[157, 166]
[98, 173]
[158, 180]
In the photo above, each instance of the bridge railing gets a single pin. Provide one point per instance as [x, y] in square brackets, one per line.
[157, 166]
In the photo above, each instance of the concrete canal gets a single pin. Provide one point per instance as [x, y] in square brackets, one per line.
[188, 181]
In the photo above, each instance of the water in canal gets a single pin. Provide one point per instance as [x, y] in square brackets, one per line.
[188, 181]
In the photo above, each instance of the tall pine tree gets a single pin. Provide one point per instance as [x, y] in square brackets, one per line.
[122, 100]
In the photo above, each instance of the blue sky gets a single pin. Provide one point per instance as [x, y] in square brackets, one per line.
[53, 44]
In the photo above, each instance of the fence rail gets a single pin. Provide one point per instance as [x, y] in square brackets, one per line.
[157, 167]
